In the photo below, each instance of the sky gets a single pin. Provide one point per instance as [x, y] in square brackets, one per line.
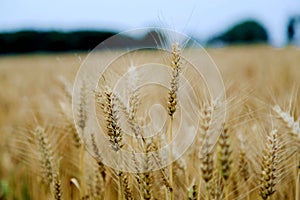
[200, 18]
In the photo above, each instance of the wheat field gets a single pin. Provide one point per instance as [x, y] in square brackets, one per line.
[255, 156]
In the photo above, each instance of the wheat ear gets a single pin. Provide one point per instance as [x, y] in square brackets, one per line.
[57, 188]
[82, 115]
[99, 186]
[216, 186]
[128, 195]
[147, 175]
[224, 157]
[100, 172]
[46, 154]
[113, 129]
[101, 167]
[207, 165]
[243, 165]
[193, 193]
[82, 118]
[269, 166]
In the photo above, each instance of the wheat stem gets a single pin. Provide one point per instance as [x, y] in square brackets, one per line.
[172, 103]
[171, 159]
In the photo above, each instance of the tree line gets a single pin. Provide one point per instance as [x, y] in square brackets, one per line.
[249, 31]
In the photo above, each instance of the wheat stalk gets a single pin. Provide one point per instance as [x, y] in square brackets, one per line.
[114, 133]
[172, 101]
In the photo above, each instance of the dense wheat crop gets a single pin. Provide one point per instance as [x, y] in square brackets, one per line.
[256, 156]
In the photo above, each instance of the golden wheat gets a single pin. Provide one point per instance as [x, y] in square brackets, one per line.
[202, 172]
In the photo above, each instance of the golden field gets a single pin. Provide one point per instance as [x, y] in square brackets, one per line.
[257, 155]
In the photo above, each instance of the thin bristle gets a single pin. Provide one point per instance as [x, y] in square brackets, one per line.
[288, 120]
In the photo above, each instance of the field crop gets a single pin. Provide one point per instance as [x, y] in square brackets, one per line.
[253, 154]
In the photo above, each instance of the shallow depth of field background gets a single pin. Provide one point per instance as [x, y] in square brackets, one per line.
[254, 45]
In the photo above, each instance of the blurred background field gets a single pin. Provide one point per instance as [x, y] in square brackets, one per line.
[255, 45]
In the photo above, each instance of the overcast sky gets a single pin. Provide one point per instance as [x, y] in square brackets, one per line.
[201, 18]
